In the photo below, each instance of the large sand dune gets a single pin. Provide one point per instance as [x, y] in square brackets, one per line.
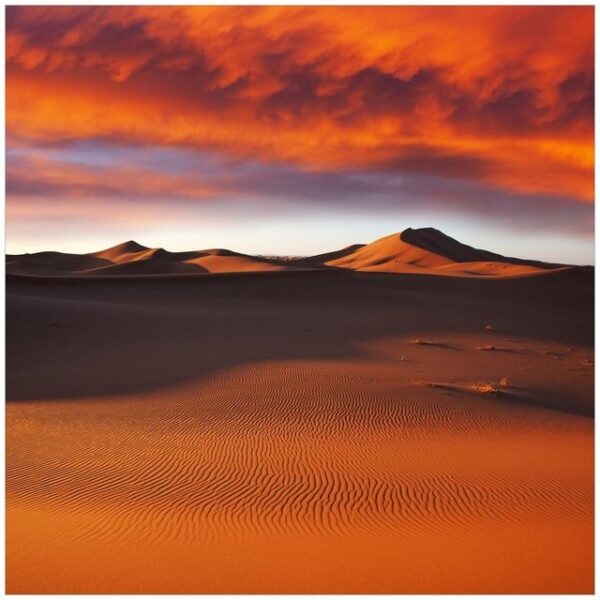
[310, 430]
[430, 251]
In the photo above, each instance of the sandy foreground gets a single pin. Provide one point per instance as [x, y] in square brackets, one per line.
[300, 432]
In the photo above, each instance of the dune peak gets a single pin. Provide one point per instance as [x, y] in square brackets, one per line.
[129, 246]
[120, 250]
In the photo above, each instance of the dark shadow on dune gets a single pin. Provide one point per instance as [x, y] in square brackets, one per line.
[548, 398]
[52, 263]
[157, 265]
[435, 241]
[95, 337]
[543, 398]
[319, 260]
[442, 345]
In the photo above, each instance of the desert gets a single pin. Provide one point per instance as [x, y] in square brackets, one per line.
[411, 415]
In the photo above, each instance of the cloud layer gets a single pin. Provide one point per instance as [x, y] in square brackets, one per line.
[500, 95]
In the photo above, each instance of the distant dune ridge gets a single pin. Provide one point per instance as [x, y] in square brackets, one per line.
[425, 251]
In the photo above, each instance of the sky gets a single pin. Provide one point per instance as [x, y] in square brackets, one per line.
[298, 130]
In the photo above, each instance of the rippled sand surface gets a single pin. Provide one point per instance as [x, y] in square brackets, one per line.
[301, 447]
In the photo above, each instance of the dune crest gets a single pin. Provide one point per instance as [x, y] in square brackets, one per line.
[121, 252]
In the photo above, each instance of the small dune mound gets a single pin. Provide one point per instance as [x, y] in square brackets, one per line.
[234, 263]
[53, 263]
[487, 269]
[29, 267]
[149, 266]
[326, 257]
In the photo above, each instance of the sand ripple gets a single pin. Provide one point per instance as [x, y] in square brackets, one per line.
[301, 447]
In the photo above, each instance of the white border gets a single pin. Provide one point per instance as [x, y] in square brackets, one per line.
[3, 234]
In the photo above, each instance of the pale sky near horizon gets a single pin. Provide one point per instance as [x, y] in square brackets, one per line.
[299, 130]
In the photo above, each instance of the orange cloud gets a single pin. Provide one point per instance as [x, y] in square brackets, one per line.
[498, 94]
[40, 176]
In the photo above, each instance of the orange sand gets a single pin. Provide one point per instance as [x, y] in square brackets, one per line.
[300, 432]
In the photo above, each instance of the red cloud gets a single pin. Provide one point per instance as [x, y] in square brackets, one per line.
[39, 176]
[508, 89]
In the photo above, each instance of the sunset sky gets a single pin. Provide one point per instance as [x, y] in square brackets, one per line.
[295, 130]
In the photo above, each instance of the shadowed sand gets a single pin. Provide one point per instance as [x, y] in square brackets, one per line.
[304, 430]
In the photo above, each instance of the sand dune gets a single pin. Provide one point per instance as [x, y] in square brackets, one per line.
[430, 251]
[323, 259]
[434, 241]
[124, 252]
[313, 431]
[417, 251]
[131, 258]
[224, 261]
[490, 269]
[149, 265]
[55, 263]
[24, 267]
